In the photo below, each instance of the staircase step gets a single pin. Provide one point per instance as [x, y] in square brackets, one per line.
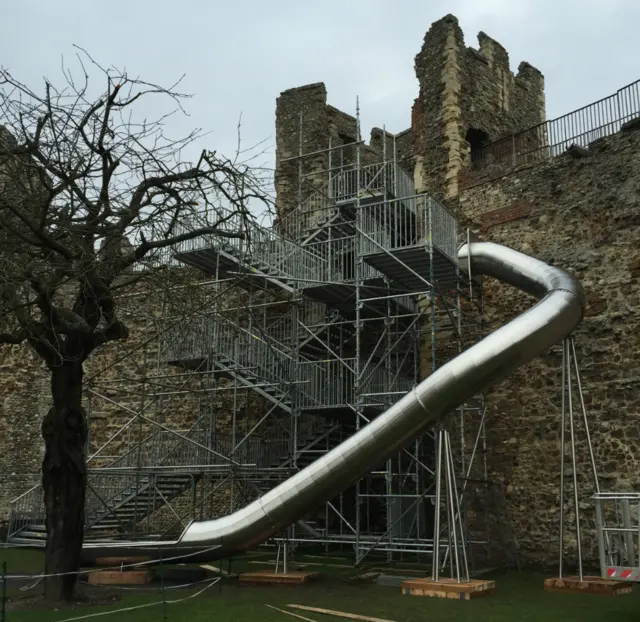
[28, 533]
[28, 542]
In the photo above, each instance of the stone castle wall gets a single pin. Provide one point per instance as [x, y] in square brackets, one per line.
[577, 213]
[121, 373]
[24, 400]
[581, 215]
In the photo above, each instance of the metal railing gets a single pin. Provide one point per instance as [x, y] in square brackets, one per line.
[551, 138]
[325, 384]
[367, 180]
[213, 335]
[28, 509]
[124, 479]
[227, 222]
[293, 328]
[340, 266]
[170, 470]
[383, 381]
[261, 248]
[345, 186]
[391, 226]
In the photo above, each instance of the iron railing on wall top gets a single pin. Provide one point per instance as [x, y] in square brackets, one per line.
[553, 137]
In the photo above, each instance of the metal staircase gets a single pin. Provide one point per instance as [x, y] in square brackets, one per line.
[264, 258]
[300, 362]
[118, 503]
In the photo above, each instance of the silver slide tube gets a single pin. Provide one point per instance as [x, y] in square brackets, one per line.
[557, 313]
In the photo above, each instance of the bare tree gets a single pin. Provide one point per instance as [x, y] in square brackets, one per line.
[93, 198]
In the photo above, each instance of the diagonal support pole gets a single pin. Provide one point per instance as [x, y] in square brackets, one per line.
[447, 494]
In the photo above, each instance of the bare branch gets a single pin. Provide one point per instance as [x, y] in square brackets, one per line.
[14, 338]
[91, 189]
[147, 245]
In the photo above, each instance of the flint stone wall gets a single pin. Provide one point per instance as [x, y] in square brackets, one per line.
[582, 215]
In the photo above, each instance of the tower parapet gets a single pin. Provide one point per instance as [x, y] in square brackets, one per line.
[468, 97]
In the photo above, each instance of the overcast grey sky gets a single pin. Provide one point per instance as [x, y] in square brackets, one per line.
[238, 56]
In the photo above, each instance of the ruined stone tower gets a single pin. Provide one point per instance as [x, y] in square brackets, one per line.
[302, 125]
[467, 99]
[307, 125]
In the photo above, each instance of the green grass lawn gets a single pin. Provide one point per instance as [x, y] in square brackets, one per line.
[22, 560]
[519, 598]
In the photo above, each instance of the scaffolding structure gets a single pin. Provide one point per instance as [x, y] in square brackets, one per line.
[308, 333]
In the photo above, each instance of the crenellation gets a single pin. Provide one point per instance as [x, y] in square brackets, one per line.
[476, 94]
[326, 126]
[495, 53]
[342, 125]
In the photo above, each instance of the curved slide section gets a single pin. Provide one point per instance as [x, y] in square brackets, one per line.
[557, 313]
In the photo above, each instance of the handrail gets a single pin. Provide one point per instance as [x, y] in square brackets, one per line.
[356, 180]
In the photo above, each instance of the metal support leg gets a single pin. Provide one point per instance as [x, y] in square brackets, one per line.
[436, 521]
[278, 556]
[453, 501]
[456, 554]
[584, 417]
[459, 525]
[574, 468]
[600, 535]
[629, 553]
[562, 453]
[285, 556]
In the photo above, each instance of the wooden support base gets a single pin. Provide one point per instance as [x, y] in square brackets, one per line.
[270, 577]
[448, 588]
[125, 577]
[588, 585]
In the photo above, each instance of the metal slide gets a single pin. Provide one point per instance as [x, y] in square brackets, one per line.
[557, 313]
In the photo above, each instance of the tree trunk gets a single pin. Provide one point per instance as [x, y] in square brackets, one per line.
[64, 479]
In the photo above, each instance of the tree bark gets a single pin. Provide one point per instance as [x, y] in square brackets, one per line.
[64, 479]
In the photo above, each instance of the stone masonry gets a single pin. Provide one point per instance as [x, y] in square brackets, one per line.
[466, 94]
[306, 124]
[121, 379]
[582, 215]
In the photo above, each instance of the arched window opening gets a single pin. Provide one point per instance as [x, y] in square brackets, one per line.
[478, 140]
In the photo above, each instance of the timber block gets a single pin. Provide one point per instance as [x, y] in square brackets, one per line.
[270, 577]
[588, 585]
[117, 577]
[448, 588]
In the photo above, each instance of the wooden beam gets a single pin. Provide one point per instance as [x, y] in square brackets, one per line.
[290, 613]
[339, 614]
